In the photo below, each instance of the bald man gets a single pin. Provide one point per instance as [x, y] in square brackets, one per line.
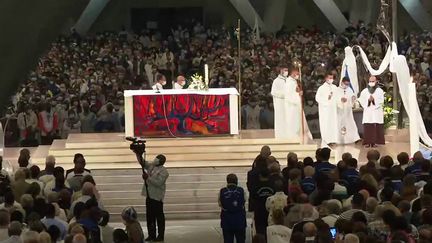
[180, 82]
[79, 238]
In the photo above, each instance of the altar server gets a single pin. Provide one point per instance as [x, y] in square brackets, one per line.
[327, 108]
[160, 82]
[347, 129]
[287, 104]
[180, 82]
[372, 101]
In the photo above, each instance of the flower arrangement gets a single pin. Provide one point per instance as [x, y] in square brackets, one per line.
[197, 83]
[389, 117]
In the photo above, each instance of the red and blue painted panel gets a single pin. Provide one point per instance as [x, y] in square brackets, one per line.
[182, 115]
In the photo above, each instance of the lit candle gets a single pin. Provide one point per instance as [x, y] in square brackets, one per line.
[206, 74]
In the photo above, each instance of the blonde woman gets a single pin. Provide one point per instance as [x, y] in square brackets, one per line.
[369, 183]
[44, 237]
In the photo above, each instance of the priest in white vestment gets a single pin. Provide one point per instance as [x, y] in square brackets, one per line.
[160, 82]
[372, 101]
[287, 105]
[180, 82]
[347, 129]
[327, 108]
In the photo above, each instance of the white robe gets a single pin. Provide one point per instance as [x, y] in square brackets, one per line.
[287, 108]
[157, 86]
[373, 113]
[327, 109]
[177, 86]
[346, 117]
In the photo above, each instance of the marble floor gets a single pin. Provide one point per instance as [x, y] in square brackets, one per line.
[207, 231]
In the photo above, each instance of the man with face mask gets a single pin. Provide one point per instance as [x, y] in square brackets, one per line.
[27, 124]
[372, 101]
[154, 190]
[160, 82]
[347, 129]
[287, 104]
[327, 109]
[251, 114]
[180, 82]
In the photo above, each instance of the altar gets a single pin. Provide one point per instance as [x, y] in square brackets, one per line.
[181, 112]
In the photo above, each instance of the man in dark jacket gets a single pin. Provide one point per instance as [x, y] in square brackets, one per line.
[233, 213]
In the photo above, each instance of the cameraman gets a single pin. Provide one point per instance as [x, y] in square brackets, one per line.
[155, 176]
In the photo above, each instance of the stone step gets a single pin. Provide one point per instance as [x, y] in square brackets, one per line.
[212, 192]
[137, 200]
[175, 171]
[169, 185]
[175, 215]
[226, 148]
[170, 164]
[141, 208]
[220, 177]
[281, 156]
[185, 142]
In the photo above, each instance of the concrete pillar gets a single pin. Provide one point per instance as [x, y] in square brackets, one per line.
[89, 15]
[274, 14]
[418, 13]
[248, 13]
[333, 14]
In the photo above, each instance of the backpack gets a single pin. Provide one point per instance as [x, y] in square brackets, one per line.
[232, 199]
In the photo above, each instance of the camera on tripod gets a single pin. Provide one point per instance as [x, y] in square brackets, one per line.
[138, 145]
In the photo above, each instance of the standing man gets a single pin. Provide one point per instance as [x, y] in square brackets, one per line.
[160, 82]
[347, 129]
[154, 189]
[372, 100]
[233, 212]
[251, 114]
[287, 104]
[27, 124]
[180, 82]
[327, 109]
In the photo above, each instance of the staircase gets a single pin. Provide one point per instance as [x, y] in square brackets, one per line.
[198, 167]
[192, 193]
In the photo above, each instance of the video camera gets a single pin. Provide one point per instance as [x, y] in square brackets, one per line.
[138, 145]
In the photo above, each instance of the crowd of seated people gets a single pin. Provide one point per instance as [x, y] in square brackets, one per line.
[78, 84]
[305, 201]
[316, 201]
[54, 205]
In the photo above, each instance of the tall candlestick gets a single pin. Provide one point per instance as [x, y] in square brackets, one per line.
[206, 74]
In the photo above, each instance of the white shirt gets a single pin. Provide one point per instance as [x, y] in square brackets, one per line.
[40, 183]
[278, 234]
[72, 174]
[177, 86]
[157, 86]
[330, 219]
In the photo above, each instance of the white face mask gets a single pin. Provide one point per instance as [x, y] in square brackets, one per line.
[372, 84]
[156, 162]
[164, 82]
[330, 81]
[285, 74]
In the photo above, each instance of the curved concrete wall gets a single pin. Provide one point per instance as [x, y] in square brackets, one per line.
[28, 28]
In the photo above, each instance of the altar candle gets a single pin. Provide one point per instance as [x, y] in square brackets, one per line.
[206, 75]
